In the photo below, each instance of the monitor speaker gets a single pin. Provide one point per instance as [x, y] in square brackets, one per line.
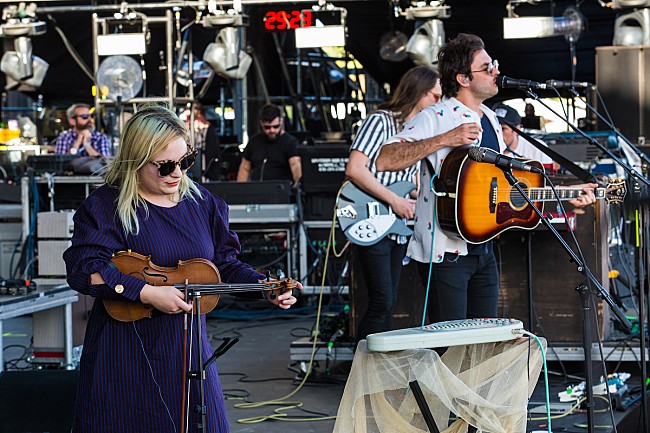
[37, 401]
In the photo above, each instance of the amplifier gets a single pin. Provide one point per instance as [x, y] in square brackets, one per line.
[323, 167]
[55, 225]
[254, 192]
[577, 148]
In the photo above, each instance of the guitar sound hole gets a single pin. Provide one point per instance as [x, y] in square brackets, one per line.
[517, 200]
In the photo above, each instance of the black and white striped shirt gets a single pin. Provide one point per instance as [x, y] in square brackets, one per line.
[373, 133]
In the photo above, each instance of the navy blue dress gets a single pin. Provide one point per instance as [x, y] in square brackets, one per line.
[131, 373]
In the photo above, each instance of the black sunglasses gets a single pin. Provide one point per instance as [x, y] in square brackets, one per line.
[83, 116]
[167, 167]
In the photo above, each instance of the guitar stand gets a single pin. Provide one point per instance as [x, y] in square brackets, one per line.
[585, 296]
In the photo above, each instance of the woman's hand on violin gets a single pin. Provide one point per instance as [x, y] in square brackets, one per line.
[167, 299]
[286, 299]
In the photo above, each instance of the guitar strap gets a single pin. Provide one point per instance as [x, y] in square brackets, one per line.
[438, 187]
[571, 167]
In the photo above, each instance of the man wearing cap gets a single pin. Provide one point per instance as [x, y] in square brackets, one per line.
[517, 145]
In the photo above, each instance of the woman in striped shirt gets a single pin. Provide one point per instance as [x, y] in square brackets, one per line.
[131, 374]
[381, 263]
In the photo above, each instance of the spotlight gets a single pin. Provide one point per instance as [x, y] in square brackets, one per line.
[423, 46]
[327, 28]
[422, 11]
[225, 57]
[20, 22]
[633, 28]
[12, 65]
[429, 37]
[570, 25]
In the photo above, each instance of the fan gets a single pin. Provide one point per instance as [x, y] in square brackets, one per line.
[119, 77]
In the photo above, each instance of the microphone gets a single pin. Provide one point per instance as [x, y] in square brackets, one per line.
[559, 84]
[514, 83]
[483, 154]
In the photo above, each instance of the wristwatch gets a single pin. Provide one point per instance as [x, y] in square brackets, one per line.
[73, 151]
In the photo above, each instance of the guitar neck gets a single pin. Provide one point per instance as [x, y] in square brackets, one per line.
[546, 194]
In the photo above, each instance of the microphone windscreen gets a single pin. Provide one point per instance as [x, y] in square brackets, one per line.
[476, 153]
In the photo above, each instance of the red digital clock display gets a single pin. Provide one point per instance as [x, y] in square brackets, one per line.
[287, 20]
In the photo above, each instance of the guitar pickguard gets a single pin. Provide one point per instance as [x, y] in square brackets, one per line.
[371, 230]
[366, 220]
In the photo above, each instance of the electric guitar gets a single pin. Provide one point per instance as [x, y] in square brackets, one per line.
[366, 220]
[480, 203]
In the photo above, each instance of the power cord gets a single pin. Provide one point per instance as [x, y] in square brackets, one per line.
[280, 414]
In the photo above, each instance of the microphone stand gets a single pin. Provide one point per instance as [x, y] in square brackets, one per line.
[642, 262]
[585, 292]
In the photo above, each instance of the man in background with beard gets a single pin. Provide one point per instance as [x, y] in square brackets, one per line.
[271, 154]
[82, 139]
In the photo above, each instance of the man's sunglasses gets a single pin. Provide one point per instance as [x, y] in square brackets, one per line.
[83, 116]
[167, 167]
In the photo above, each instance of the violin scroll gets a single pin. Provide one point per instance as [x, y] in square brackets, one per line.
[277, 287]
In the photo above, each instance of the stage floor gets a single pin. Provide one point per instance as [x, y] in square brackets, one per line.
[260, 368]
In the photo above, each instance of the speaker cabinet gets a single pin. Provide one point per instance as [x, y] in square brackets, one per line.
[37, 401]
[622, 79]
[555, 307]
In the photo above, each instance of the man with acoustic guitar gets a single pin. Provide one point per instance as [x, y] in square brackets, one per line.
[462, 278]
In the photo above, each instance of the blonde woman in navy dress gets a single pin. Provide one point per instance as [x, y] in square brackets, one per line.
[131, 373]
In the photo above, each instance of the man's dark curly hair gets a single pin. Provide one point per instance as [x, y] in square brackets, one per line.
[455, 57]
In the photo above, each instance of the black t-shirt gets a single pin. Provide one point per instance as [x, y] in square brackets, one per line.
[270, 159]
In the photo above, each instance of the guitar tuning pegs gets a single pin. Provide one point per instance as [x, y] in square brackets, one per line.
[268, 275]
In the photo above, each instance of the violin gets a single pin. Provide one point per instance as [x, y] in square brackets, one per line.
[192, 274]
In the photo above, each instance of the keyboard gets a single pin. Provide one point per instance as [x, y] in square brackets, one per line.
[445, 334]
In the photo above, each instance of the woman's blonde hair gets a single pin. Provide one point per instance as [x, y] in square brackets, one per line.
[145, 135]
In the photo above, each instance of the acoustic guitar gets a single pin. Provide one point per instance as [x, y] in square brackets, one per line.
[480, 203]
